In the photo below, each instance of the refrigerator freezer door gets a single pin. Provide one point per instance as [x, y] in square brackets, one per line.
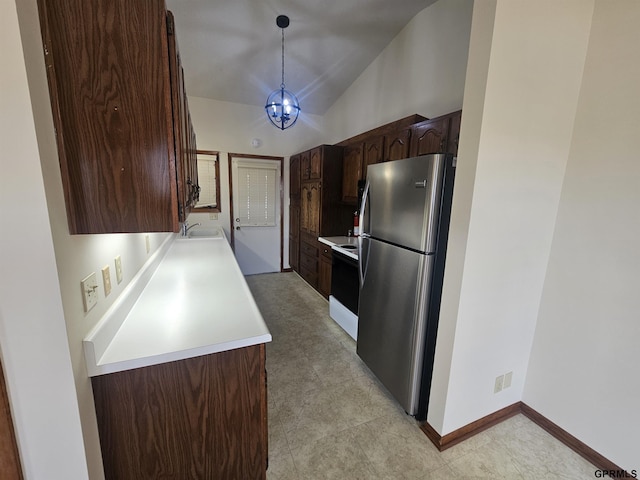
[402, 201]
[392, 317]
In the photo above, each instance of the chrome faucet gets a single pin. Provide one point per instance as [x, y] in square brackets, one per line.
[186, 227]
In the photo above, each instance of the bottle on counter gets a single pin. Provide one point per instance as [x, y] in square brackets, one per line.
[356, 223]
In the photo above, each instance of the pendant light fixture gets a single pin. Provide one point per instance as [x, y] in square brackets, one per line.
[282, 106]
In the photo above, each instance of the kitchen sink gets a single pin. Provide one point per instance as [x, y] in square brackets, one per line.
[348, 246]
[211, 232]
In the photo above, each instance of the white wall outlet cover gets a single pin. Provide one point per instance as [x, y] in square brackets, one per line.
[213, 216]
[118, 262]
[507, 379]
[256, 143]
[147, 243]
[499, 384]
[106, 280]
[89, 291]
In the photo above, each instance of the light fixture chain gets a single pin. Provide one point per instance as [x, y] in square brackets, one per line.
[282, 84]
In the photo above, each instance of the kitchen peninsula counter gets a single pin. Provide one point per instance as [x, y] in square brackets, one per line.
[191, 300]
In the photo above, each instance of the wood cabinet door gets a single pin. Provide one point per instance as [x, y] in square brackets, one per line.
[397, 145]
[429, 137]
[310, 208]
[202, 417]
[305, 166]
[351, 172]
[372, 152]
[115, 145]
[315, 206]
[315, 163]
[324, 276]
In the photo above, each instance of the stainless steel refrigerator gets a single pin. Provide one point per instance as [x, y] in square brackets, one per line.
[404, 219]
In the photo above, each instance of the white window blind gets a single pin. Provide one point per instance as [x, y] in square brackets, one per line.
[257, 195]
[207, 180]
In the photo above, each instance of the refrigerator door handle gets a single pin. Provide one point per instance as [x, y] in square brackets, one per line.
[363, 243]
[365, 218]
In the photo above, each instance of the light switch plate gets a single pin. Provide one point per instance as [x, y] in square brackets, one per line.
[147, 243]
[118, 262]
[89, 291]
[106, 280]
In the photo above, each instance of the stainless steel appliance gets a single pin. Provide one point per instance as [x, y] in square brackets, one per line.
[404, 219]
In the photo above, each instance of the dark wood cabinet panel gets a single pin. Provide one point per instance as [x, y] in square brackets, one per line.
[203, 417]
[453, 136]
[183, 133]
[315, 163]
[305, 165]
[324, 277]
[310, 198]
[351, 172]
[373, 153]
[294, 212]
[324, 270]
[396, 145]
[309, 260]
[294, 178]
[430, 137]
[117, 148]
[10, 467]
[322, 209]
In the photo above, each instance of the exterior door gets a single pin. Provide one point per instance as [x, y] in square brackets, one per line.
[256, 220]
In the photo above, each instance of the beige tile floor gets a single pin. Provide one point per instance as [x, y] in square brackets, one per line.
[329, 417]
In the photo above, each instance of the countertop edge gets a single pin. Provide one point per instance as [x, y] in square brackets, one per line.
[104, 369]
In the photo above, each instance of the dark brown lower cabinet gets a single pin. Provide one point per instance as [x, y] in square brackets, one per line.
[10, 468]
[324, 270]
[200, 418]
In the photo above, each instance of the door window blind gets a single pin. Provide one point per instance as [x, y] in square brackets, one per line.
[257, 195]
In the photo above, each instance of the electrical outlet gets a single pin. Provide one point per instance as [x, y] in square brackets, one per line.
[147, 243]
[507, 379]
[89, 291]
[213, 216]
[106, 280]
[499, 384]
[118, 262]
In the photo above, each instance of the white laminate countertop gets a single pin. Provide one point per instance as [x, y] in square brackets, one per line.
[331, 241]
[196, 302]
[338, 241]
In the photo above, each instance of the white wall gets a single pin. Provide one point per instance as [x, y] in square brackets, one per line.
[421, 71]
[490, 306]
[583, 371]
[33, 341]
[230, 128]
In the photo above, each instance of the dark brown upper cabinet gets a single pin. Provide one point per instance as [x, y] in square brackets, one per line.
[351, 172]
[114, 107]
[396, 145]
[437, 135]
[373, 153]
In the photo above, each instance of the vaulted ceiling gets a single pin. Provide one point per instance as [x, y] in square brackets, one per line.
[231, 49]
